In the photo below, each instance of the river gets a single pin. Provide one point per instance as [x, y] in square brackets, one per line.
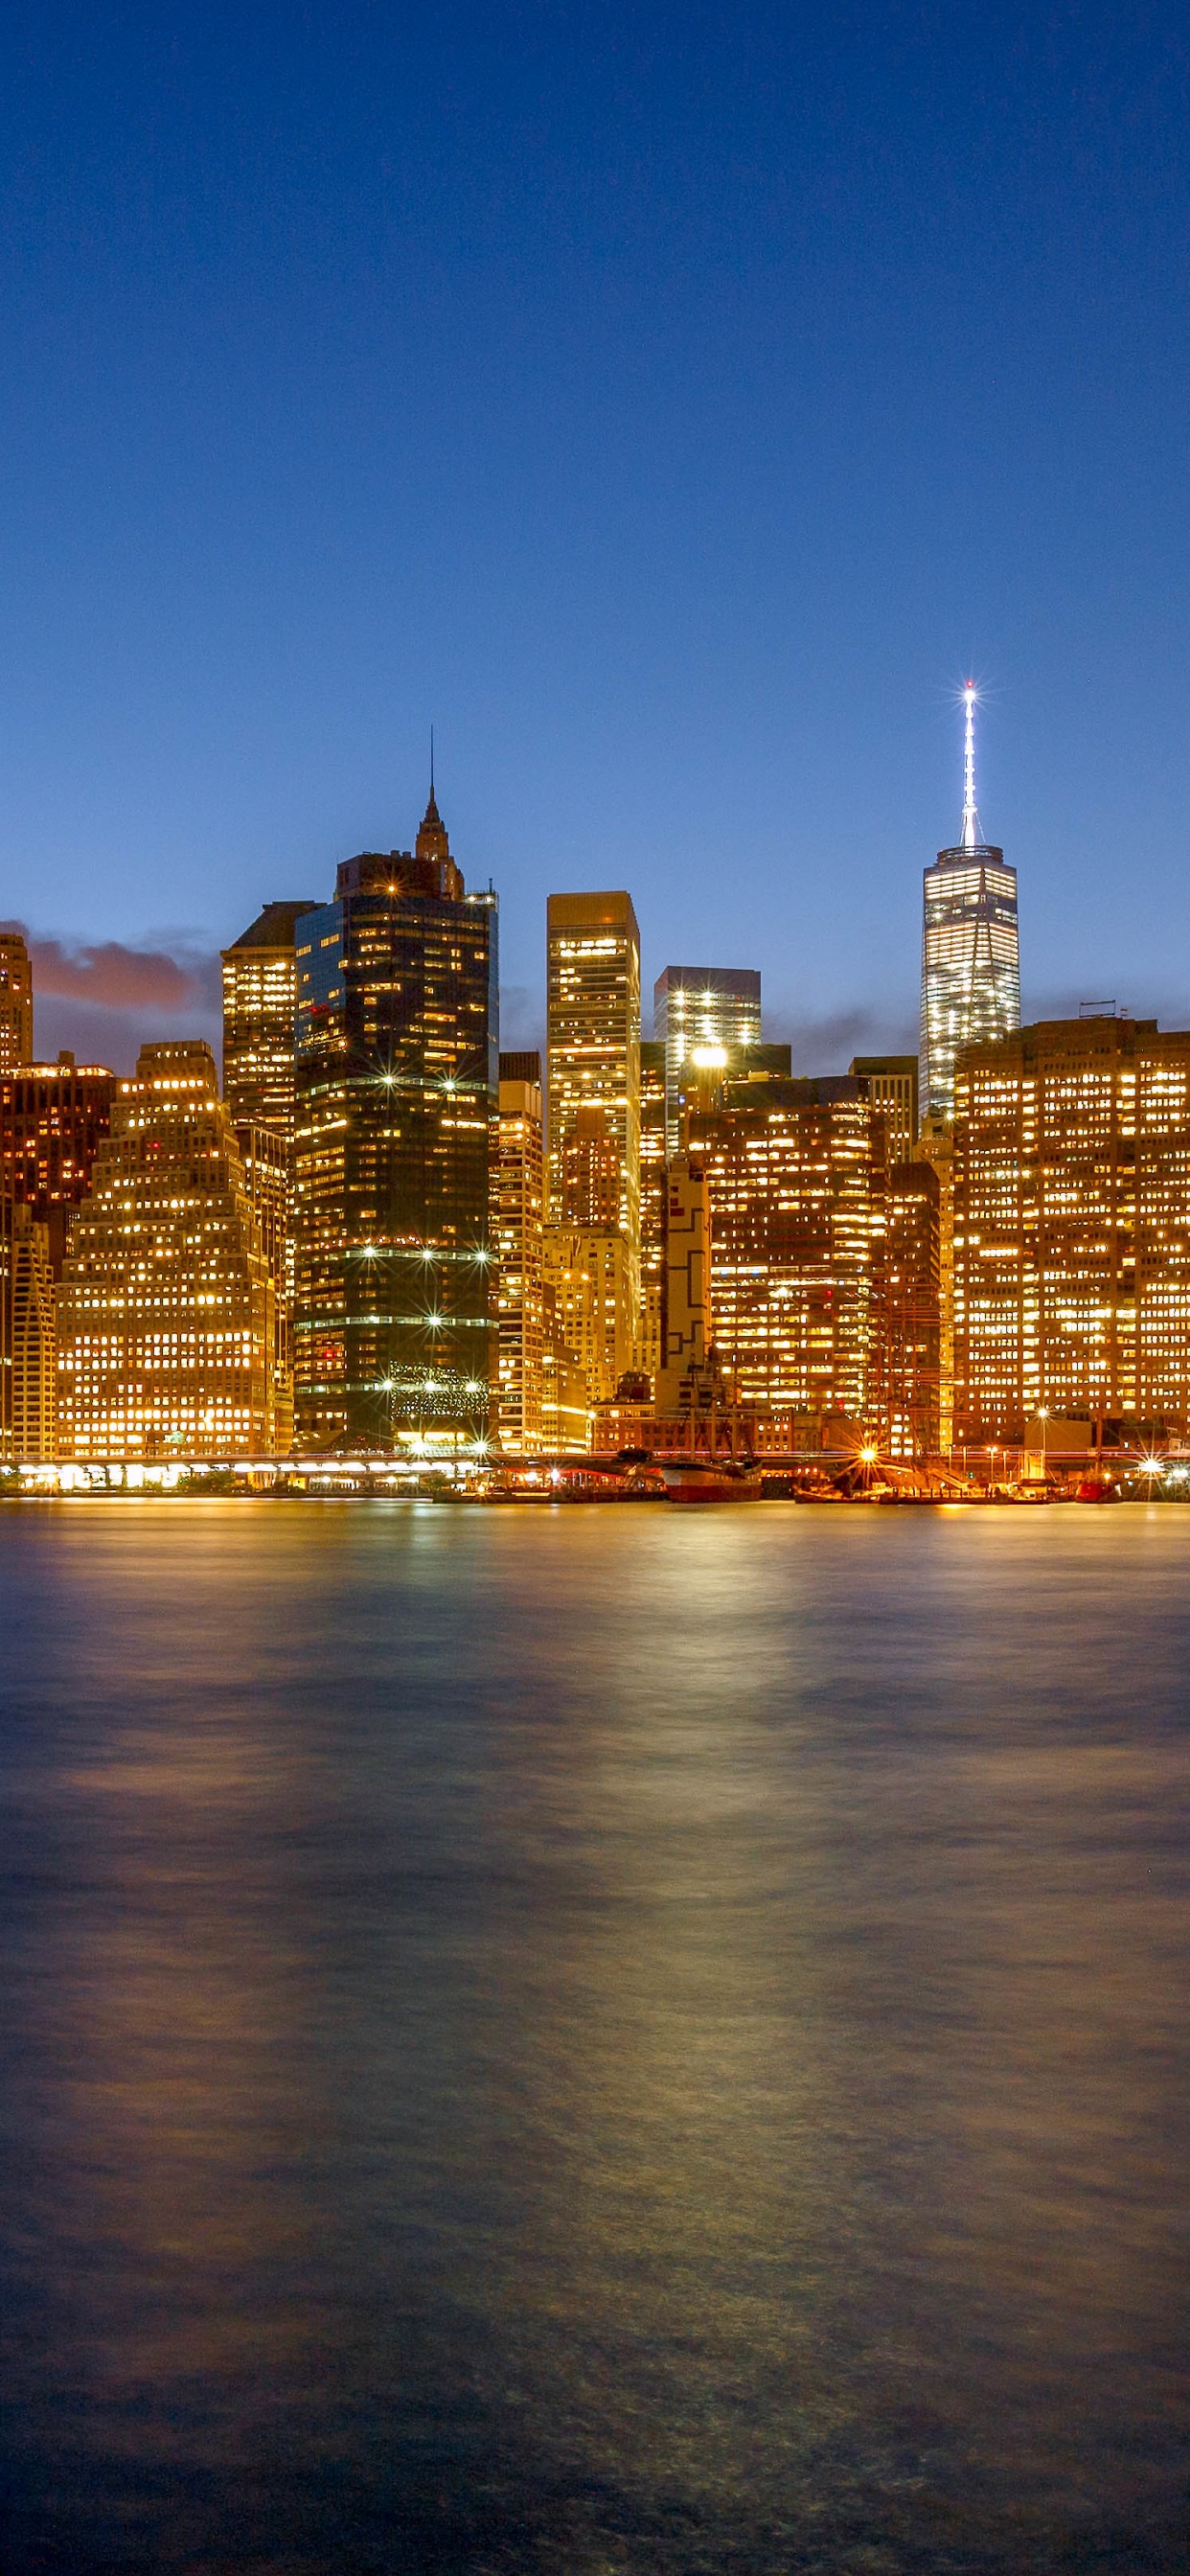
[594, 2039]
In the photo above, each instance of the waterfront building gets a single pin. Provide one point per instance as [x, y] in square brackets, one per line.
[16, 1002]
[397, 1101]
[1072, 1227]
[53, 1119]
[935, 1146]
[166, 1309]
[892, 1088]
[28, 1349]
[911, 1353]
[704, 1016]
[268, 1179]
[648, 1356]
[593, 1045]
[970, 975]
[587, 1274]
[566, 1411]
[686, 1318]
[517, 1246]
[796, 1170]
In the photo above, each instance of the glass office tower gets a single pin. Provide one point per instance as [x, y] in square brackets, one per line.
[970, 972]
[397, 1091]
[703, 1015]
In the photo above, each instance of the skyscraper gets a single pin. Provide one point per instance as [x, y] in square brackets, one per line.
[593, 1044]
[28, 1348]
[165, 1312]
[1072, 1226]
[653, 1158]
[796, 1174]
[53, 1119]
[910, 1407]
[518, 1220]
[259, 1027]
[397, 1096]
[970, 972]
[892, 1088]
[703, 1015]
[16, 1002]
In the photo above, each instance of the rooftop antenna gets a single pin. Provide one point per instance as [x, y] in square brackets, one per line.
[431, 764]
[970, 839]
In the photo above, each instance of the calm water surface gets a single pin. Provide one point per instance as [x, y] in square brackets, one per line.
[608, 2040]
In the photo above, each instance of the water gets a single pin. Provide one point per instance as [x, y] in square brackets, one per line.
[593, 2040]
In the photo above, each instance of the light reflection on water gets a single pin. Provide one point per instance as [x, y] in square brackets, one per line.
[595, 2040]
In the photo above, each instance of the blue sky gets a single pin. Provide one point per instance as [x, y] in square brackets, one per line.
[669, 404]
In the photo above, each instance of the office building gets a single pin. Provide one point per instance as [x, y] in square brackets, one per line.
[704, 1016]
[935, 1146]
[53, 1119]
[259, 1020]
[587, 1275]
[1072, 1227]
[166, 1326]
[397, 1098]
[910, 1353]
[970, 975]
[593, 1045]
[796, 1172]
[892, 1089]
[259, 1061]
[517, 1246]
[653, 1151]
[687, 1329]
[28, 1349]
[16, 1002]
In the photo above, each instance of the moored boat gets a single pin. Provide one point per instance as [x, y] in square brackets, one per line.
[708, 1480]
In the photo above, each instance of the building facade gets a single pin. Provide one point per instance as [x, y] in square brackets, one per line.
[166, 1328]
[796, 1175]
[16, 1002]
[892, 1089]
[28, 1342]
[259, 1042]
[653, 1157]
[593, 1045]
[970, 971]
[518, 1221]
[587, 1277]
[702, 1014]
[53, 1119]
[910, 1359]
[397, 1098]
[1072, 1227]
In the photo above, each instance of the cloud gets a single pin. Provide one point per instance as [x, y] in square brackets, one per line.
[116, 978]
[827, 1045]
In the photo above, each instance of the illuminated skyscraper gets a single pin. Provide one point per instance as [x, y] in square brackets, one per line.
[652, 1205]
[28, 1349]
[796, 1173]
[1072, 1226]
[703, 1015]
[259, 1031]
[518, 1219]
[910, 1420]
[397, 1095]
[16, 1002]
[892, 1088]
[970, 973]
[593, 1045]
[165, 1313]
[53, 1119]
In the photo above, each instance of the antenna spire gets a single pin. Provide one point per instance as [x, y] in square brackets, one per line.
[971, 838]
[431, 764]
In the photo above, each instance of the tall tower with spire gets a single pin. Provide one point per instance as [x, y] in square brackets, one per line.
[970, 959]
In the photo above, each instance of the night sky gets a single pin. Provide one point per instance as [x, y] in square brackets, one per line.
[671, 405]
